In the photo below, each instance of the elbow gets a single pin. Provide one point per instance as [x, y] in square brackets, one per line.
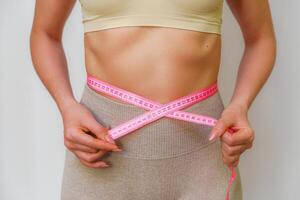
[265, 43]
[271, 48]
[39, 38]
[36, 38]
[40, 42]
[39, 35]
[32, 38]
[266, 40]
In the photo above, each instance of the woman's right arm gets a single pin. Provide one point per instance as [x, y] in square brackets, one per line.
[50, 63]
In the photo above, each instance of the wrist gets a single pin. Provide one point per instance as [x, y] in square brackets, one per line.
[65, 105]
[242, 103]
[243, 107]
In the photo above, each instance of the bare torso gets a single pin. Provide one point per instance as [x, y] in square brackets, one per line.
[158, 63]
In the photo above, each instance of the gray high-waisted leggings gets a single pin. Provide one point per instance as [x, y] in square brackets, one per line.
[168, 159]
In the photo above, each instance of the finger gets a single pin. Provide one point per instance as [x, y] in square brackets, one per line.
[75, 146]
[230, 160]
[233, 150]
[242, 136]
[234, 164]
[89, 157]
[220, 127]
[100, 131]
[98, 164]
[87, 140]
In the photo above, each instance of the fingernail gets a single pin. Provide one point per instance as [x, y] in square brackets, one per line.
[109, 139]
[105, 165]
[212, 136]
[118, 150]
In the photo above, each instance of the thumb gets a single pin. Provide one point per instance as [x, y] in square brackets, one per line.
[220, 128]
[100, 131]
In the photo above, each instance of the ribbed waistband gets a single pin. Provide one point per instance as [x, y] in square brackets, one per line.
[163, 138]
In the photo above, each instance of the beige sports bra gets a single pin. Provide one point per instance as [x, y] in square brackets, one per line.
[196, 15]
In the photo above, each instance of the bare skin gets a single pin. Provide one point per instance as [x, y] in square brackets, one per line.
[168, 63]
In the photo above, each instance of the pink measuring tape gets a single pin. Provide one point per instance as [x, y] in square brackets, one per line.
[158, 110]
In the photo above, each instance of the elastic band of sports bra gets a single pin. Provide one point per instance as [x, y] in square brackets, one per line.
[158, 110]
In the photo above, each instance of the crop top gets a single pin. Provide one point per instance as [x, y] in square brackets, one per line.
[196, 15]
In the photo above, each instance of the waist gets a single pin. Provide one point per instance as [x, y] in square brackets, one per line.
[162, 83]
[159, 89]
[163, 138]
[168, 61]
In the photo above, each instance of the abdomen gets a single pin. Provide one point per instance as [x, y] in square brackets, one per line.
[159, 63]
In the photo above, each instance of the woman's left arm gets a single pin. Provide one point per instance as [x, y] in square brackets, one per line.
[255, 20]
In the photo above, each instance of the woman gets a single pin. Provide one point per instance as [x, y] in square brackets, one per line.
[161, 51]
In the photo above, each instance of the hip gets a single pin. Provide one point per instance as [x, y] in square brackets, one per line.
[163, 138]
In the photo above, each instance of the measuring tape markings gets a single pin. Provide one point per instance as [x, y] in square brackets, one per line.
[162, 110]
[158, 110]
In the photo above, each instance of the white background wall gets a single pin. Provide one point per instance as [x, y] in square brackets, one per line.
[31, 136]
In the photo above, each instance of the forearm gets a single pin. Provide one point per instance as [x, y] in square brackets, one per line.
[255, 68]
[50, 64]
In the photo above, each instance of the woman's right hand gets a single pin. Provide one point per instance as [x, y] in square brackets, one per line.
[85, 137]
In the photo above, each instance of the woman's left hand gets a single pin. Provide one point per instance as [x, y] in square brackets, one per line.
[235, 143]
